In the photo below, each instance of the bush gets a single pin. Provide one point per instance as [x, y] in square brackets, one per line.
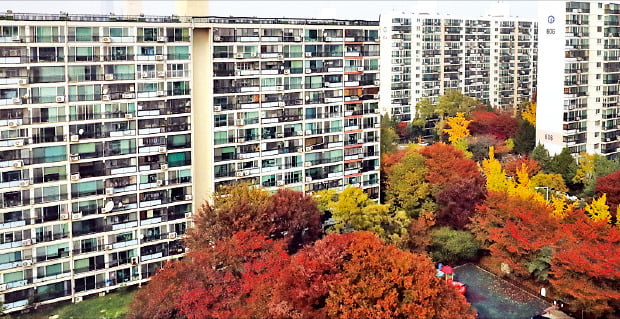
[452, 246]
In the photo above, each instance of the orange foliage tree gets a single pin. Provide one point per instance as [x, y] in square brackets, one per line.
[502, 125]
[512, 164]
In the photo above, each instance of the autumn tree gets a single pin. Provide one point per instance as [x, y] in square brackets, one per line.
[591, 167]
[458, 202]
[610, 185]
[584, 267]
[388, 135]
[419, 233]
[456, 128]
[511, 164]
[402, 130]
[231, 279]
[406, 187]
[450, 245]
[555, 182]
[287, 214]
[381, 281]
[541, 155]
[529, 114]
[598, 209]
[479, 146]
[453, 102]
[445, 164]
[502, 126]
[564, 164]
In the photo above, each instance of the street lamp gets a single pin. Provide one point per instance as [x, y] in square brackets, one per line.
[546, 191]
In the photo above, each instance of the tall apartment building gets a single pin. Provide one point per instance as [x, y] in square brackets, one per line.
[579, 77]
[422, 55]
[104, 149]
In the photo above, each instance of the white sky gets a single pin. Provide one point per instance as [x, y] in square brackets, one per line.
[339, 9]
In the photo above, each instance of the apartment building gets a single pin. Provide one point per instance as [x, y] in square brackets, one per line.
[579, 77]
[423, 55]
[112, 128]
[95, 153]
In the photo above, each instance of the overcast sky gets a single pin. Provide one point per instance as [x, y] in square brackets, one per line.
[349, 9]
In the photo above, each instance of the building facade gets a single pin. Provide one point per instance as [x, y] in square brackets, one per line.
[113, 128]
[579, 77]
[492, 59]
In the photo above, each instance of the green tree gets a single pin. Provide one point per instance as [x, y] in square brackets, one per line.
[541, 155]
[354, 211]
[406, 186]
[450, 246]
[525, 139]
[388, 135]
[564, 164]
[453, 102]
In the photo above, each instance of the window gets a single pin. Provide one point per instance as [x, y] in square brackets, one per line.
[49, 154]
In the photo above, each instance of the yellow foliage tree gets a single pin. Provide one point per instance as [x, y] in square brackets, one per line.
[458, 128]
[599, 210]
[529, 114]
[585, 172]
[495, 174]
[553, 181]
[559, 206]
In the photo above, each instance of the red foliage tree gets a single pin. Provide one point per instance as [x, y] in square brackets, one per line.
[502, 125]
[512, 164]
[231, 279]
[610, 185]
[390, 159]
[402, 129]
[458, 200]
[446, 164]
[287, 214]
[585, 265]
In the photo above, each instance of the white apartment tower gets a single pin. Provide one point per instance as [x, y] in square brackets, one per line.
[422, 55]
[112, 128]
[579, 77]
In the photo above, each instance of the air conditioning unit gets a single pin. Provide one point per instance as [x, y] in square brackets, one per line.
[246, 173]
[75, 177]
[281, 104]
[64, 216]
[60, 99]
[308, 54]
[377, 125]
[107, 247]
[159, 57]
[308, 179]
[360, 141]
[105, 97]
[309, 148]
[307, 164]
[308, 71]
[217, 38]
[74, 158]
[128, 95]
[217, 108]
[297, 38]
[188, 215]
[280, 183]
[17, 100]
[280, 88]
[106, 39]
[239, 122]
[12, 123]
[109, 191]
[24, 183]
[377, 109]
[75, 138]
[161, 74]
[172, 235]
[19, 143]
[163, 166]
[15, 38]
[280, 135]
[377, 82]
[328, 39]
[76, 216]
[134, 260]
[18, 164]
[161, 149]
[145, 74]
[239, 173]
[360, 68]
[109, 77]
[280, 56]
[160, 93]
[308, 132]
[27, 263]
[22, 81]
[161, 39]
[128, 116]
[300, 133]
[25, 242]
[160, 182]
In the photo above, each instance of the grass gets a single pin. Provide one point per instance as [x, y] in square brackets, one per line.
[112, 306]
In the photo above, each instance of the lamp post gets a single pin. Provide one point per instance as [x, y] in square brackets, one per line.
[546, 191]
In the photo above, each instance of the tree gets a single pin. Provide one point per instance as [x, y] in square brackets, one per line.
[529, 114]
[445, 164]
[590, 168]
[525, 138]
[355, 211]
[541, 155]
[388, 140]
[564, 164]
[458, 202]
[450, 246]
[584, 267]
[553, 181]
[453, 102]
[457, 128]
[406, 187]
[287, 214]
[511, 165]
[501, 126]
[610, 185]
[381, 281]
[598, 210]
[479, 146]
[402, 130]
[419, 233]
[231, 279]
